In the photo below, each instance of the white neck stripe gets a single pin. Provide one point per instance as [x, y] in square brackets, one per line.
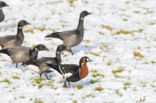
[19, 27]
[82, 18]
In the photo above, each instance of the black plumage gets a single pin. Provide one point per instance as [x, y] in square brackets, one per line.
[75, 72]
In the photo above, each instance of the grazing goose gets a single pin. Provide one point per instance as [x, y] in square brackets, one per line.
[77, 72]
[40, 63]
[10, 41]
[2, 4]
[21, 54]
[73, 37]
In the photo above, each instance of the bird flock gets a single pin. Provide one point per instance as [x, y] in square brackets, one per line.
[11, 45]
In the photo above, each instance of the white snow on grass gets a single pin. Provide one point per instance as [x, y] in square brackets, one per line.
[120, 38]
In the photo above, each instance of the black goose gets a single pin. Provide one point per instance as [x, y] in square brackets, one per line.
[10, 41]
[21, 54]
[2, 4]
[78, 72]
[73, 37]
[40, 63]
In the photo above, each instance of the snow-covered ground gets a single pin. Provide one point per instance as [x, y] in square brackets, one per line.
[120, 38]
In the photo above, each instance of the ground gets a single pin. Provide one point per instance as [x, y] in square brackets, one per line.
[119, 37]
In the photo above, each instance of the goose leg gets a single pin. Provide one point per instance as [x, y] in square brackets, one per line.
[40, 75]
[24, 64]
[16, 65]
[69, 84]
[65, 85]
[46, 76]
[69, 49]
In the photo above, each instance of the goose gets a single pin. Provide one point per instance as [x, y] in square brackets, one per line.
[74, 72]
[2, 16]
[40, 63]
[74, 37]
[22, 54]
[10, 41]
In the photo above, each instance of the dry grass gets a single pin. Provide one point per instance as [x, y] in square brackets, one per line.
[106, 27]
[124, 32]
[138, 54]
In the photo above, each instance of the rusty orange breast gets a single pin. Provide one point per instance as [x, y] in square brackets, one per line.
[83, 71]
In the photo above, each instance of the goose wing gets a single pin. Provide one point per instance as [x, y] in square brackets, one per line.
[63, 35]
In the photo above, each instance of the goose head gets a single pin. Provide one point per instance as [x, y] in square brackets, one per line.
[41, 47]
[84, 60]
[2, 4]
[60, 48]
[84, 13]
[22, 23]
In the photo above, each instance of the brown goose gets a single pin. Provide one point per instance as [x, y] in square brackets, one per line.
[10, 41]
[72, 38]
[77, 72]
[21, 54]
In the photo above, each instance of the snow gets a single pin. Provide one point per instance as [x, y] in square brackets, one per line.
[119, 38]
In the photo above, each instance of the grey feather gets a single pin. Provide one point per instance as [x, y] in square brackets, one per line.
[10, 41]
[72, 38]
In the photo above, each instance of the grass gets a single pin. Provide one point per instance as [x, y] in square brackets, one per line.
[138, 54]
[15, 77]
[137, 12]
[93, 81]
[40, 83]
[124, 32]
[118, 92]
[119, 70]
[109, 63]
[141, 100]
[87, 41]
[35, 28]
[97, 75]
[99, 89]
[79, 87]
[125, 19]
[71, 2]
[126, 85]
[106, 27]
[90, 95]
[75, 101]
[5, 81]
[93, 53]
[38, 101]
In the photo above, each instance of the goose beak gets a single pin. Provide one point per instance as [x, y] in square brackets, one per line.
[89, 13]
[89, 60]
[47, 36]
[7, 5]
[28, 23]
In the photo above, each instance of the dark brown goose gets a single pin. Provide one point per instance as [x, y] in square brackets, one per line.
[21, 54]
[72, 38]
[41, 62]
[10, 41]
[77, 72]
[2, 16]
